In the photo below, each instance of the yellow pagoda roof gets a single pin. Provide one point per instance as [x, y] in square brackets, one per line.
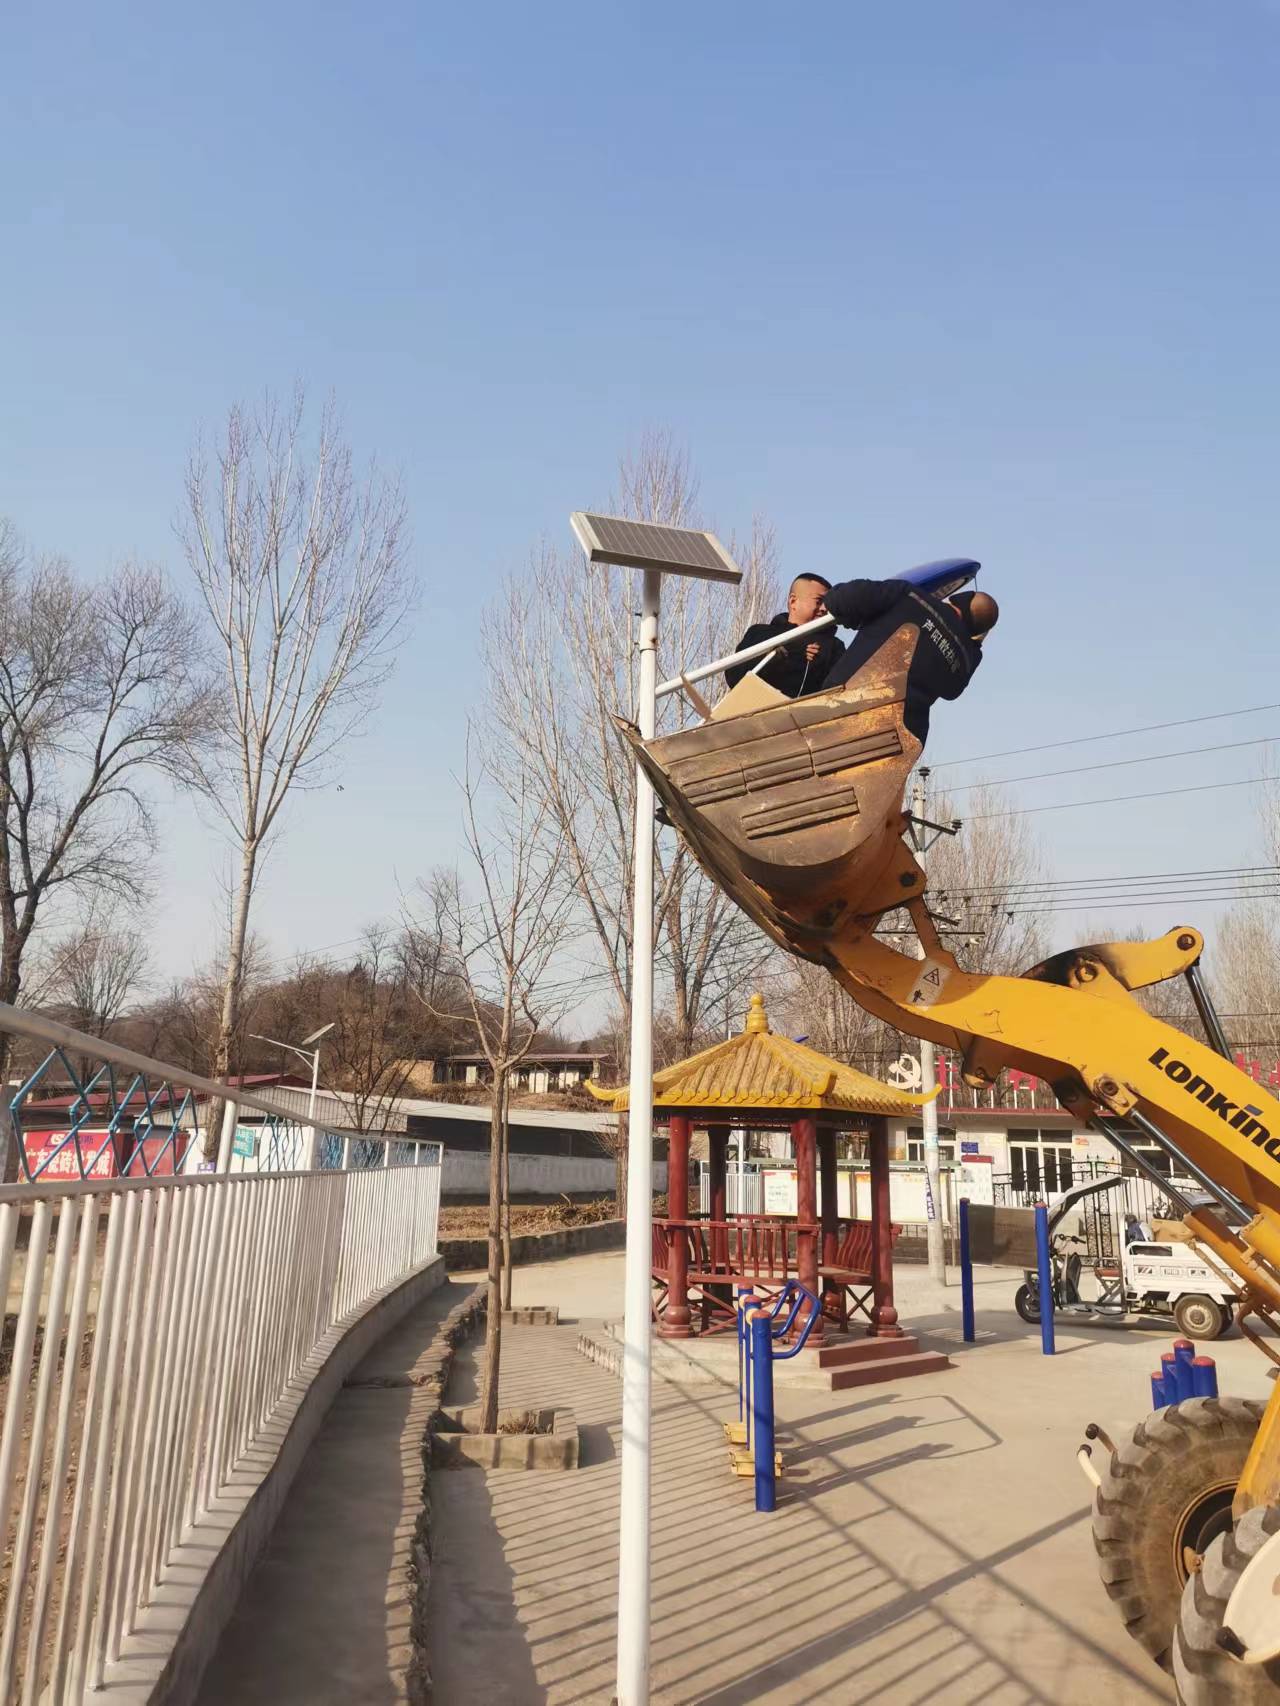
[758, 1069]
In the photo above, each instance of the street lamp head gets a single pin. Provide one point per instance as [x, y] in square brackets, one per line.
[648, 545]
[274, 1041]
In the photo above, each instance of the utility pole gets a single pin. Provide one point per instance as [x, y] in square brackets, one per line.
[929, 1078]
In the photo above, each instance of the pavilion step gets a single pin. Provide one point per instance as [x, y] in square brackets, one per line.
[888, 1368]
[841, 1352]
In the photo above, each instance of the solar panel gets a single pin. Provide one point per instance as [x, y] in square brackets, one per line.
[646, 545]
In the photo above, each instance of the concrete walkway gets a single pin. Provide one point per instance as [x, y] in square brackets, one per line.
[933, 1546]
[325, 1618]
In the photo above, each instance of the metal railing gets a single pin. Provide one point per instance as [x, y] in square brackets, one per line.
[158, 1334]
[744, 1188]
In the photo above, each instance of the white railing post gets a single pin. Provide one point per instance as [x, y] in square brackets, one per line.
[202, 1319]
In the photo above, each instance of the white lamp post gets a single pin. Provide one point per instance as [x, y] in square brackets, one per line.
[307, 1050]
[656, 551]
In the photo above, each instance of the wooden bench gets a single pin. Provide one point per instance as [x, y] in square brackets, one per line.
[849, 1278]
[722, 1254]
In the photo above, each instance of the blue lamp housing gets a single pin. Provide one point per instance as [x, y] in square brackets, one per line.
[942, 578]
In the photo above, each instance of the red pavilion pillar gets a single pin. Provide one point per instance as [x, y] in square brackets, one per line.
[804, 1140]
[718, 1143]
[676, 1316]
[830, 1211]
[884, 1317]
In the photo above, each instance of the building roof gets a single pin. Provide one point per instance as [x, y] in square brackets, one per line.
[534, 1058]
[758, 1070]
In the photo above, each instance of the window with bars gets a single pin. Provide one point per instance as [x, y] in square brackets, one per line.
[1040, 1161]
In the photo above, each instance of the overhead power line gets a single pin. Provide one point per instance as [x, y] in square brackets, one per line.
[1121, 799]
[1114, 764]
[1104, 904]
[1112, 734]
[1109, 897]
[1243, 872]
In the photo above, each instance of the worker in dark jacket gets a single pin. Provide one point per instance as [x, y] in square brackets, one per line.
[800, 667]
[947, 653]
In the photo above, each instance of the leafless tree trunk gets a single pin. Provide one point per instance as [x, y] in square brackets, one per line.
[99, 685]
[507, 1257]
[302, 568]
[503, 945]
[562, 659]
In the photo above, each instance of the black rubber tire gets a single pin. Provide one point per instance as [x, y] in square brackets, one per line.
[1029, 1310]
[1201, 1317]
[1144, 1513]
[1205, 1675]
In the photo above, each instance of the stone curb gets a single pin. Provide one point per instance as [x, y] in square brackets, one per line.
[607, 1356]
[534, 1315]
[538, 1246]
[555, 1450]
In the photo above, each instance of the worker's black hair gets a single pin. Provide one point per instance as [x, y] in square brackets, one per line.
[821, 580]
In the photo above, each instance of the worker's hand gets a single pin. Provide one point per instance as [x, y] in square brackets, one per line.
[811, 651]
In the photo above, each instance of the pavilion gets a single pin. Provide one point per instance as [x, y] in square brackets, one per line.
[756, 1081]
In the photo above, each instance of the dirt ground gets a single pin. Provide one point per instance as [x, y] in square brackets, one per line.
[471, 1220]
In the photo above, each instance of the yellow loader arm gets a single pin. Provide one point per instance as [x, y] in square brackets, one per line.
[1073, 1021]
[795, 808]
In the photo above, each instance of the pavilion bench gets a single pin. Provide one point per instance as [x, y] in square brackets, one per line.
[848, 1280]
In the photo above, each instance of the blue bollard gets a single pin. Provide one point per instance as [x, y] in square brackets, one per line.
[1183, 1354]
[1045, 1266]
[966, 1275]
[1168, 1362]
[1159, 1396]
[1204, 1377]
[762, 1411]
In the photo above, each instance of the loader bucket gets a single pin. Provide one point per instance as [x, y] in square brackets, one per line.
[795, 805]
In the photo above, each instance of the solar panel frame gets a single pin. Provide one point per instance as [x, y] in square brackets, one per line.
[633, 544]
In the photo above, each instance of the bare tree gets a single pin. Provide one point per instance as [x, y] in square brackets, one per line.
[987, 882]
[376, 1025]
[181, 1024]
[561, 651]
[301, 565]
[95, 970]
[503, 942]
[812, 1003]
[100, 686]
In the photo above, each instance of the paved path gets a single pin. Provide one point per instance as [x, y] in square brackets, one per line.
[934, 1545]
[325, 1618]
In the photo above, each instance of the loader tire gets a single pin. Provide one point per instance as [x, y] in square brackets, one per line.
[1165, 1495]
[1205, 1675]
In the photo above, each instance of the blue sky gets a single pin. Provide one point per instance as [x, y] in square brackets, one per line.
[911, 281]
